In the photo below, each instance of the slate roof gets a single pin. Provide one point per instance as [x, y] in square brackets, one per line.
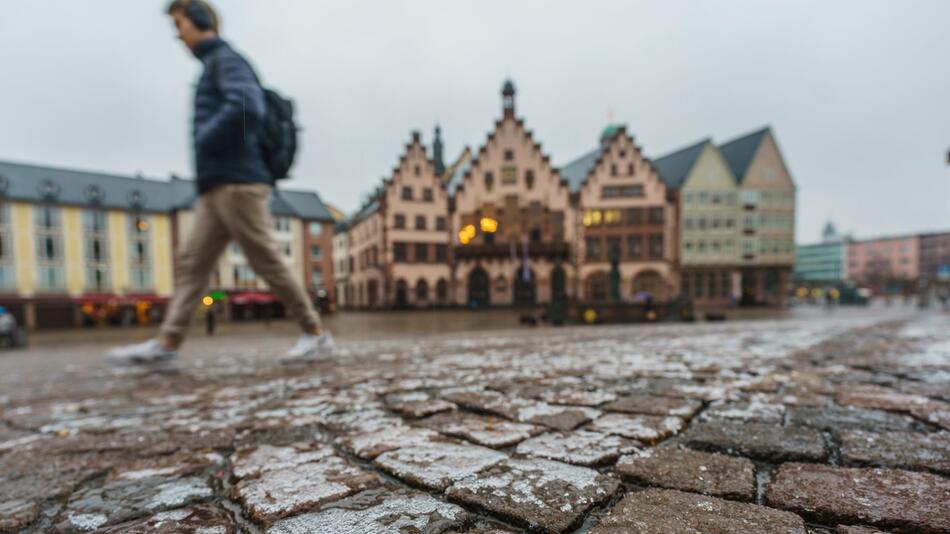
[739, 152]
[35, 183]
[575, 171]
[675, 166]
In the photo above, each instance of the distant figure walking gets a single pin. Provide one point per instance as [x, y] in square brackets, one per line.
[234, 185]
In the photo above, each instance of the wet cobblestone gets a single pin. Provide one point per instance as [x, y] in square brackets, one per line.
[662, 428]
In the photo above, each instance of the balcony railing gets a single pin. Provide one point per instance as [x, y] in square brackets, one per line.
[549, 251]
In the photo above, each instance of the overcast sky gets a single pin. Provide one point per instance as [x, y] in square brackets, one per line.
[857, 92]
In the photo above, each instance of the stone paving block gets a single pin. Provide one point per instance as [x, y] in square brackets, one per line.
[556, 417]
[437, 466]
[483, 430]
[255, 461]
[174, 465]
[199, 519]
[362, 421]
[644, 428]
[746, 411]
[578, 447]
[845, 529]
[656, 511]
[538, 494]
[576, 396]
[908, 450]
[279, 493]
[18, 514]
[694, 471]
[655, 405]
[121, 500]
[379, 512]
[773, 443]
[923, 408]
[416, 404]
[836, 418]
[372, 444]
[902, 501]
[524, 410]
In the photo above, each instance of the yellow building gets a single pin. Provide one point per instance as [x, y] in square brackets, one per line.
[83, 248]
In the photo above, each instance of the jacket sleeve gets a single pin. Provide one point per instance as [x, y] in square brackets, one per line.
[242, 105]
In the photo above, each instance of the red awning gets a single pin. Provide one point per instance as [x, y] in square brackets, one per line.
[252, 297]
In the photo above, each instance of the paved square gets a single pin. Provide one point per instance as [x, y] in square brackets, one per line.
[817, 423]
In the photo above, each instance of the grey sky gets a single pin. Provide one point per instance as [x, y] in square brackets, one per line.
[858, 92]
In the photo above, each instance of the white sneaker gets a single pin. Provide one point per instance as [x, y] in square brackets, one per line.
[310, 348]
[147, 352]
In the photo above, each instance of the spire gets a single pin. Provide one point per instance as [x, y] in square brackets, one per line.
[508, 98]
[437, 152]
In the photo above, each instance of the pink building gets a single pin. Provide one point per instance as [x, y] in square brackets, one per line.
[881, 261]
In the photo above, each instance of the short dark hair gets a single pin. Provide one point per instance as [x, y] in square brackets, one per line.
[188, 7]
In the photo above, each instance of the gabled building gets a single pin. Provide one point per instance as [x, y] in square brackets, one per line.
[399, 240]
[713, 222]
[627, 216]
[708, 200]
[515, 226]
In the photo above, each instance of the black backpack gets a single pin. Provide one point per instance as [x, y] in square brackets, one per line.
[278, 135]
[278, 132]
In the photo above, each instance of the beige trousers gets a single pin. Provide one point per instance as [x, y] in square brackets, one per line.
[239, 212]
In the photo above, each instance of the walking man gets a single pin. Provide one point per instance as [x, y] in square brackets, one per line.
[234, 189]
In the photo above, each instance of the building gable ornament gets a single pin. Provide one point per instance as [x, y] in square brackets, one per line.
[94, 194]
[136, 198]
[48, 189]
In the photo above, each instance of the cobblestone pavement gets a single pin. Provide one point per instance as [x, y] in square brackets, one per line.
[838, 423]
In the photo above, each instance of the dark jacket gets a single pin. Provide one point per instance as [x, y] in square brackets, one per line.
[229, 109]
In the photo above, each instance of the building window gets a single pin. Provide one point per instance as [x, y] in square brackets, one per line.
[96, 243]
[140, 272]
[593, 245]
[7, 268]
[282, 224]
[613, 248]
[592, 217]
[407, 193]
[440, 223]
[427, 194]
[442, 290]
[316, 228]
[509, 155]
[627, 191]
[316, 278]
[655, 247]
[634, 215]
[529, 179]
[712, 285]
[420, 222]
[613, 169]
[613, 216]
[724, 285]
[535, 235]
[489, 181]
[630, 169]
[417, 170]
[399, 221]
[441, 253]
[49, 248]
[685, 285]
[634, 247]
[399, 252]
[422, 253]
[315, 252]
[509, 175]
[655, 216]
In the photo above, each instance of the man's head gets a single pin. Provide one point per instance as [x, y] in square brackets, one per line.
[195, 20]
